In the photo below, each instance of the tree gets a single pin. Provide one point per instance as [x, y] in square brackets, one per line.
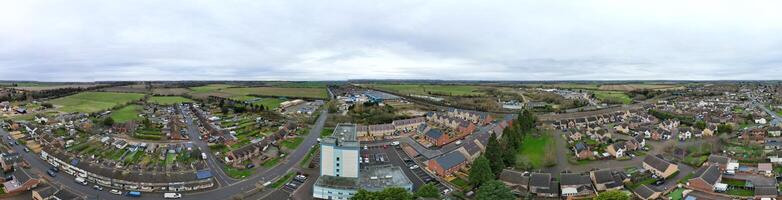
[700, 125]
[509, 155]
[494, 154]
[494, 190]
[428, 191]
[612, 195]
[480, 172]
[108, 121]
[395, 193]
[47, 105]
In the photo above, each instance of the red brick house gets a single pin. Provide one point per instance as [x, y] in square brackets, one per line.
[436, 137]
[447, 164]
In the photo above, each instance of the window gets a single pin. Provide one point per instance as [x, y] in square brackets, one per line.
[337, 170]
[337, 158]
[337, 164]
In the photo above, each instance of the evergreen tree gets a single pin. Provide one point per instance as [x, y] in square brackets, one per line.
[494, 154]
[494, 190]
[480, 172]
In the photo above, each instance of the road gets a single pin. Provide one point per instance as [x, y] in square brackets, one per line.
[227, 191]
[764, 108]
[195, 135]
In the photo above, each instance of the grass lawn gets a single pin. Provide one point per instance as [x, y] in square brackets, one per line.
[237, 173]
[209, 88]
[741, 192]
[326, 132]
[271, 162]
[647, 181]
[269, 103]
[676, 194]
[423, 89]
[695, 161]
[168, 100]
[613, 96]
[282, 180]
[89, 102]
[126, 114]
[320, 93]
[734, 182]
[533, 148]
[170, 158]
[292, 143]
[461, 183]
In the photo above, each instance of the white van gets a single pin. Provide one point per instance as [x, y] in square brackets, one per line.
[203, 156]
[80, 180]
[172, 195]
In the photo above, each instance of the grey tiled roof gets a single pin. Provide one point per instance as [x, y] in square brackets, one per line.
[450, 160]
[657, 163]
[710, 174]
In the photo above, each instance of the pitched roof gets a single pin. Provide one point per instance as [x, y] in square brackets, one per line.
[540, 180]
[514, 177]
[644, 191]
[450, 160]
[765, 190]
[574, 179]
[710, 174]
[723, 160]
[657, 163]
[603, 176]
[434, 133]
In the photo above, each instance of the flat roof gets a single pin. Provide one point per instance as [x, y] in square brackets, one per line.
[344, 135]
[379, 177]
[337, 182]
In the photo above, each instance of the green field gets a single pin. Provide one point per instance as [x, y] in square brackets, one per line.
[588, 86]
[210, 88]
[292, 143]
[421, 89]
[126, 113]
[269, 103]
[279, 92]
[89, 102]
[168, 100]
[613, 97]
[533, 149]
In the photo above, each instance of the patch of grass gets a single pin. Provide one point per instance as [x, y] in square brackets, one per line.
[271, 162]
[533, 149]
[676, 194]
[292, 143]
[695, 161]
[88, 102]
[734, 182]
[269, 103]
[304, 163]
[461, 183]
[319, 93]
[237, 173]
[168, 100]
[613, 97]
[126, 114]
[741, 192]
[647, 181]
[170, 158]
[425, 89]
[326, 132]
[282, 180]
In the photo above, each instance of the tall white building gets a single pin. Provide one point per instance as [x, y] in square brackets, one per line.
[340, 153]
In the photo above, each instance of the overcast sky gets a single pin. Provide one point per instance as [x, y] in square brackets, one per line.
[76, 40]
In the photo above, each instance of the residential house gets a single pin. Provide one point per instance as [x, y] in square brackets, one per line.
[516, 181]
[543, 185]
[446, 164]
[718, 160]
[54, 193]
[616, 150]
[582, 151]
[606, 180]
[775, 131]
[659, 166]
[576, 185]
[705, 178]
[436, 137]
[645, 192]
[766, 169]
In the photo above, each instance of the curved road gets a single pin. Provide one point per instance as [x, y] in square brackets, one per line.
[227, 189]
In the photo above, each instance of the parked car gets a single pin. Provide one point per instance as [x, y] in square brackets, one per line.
[115, 192]
[26, 149]
[51, 173]
[97, 187]
[414, 167]
[249, 166]
[172, 195]
[134, 194]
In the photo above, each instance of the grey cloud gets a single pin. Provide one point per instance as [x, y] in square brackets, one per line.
[88, 40]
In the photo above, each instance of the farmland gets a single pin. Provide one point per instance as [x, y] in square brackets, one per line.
[88, 102]
[269, 103]
[126, 113]
[170, 91]
[41, 87]
[209, 88]
[613, 97]
[166, 100]
[320, 93]
[632, 87]
[421, 89]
